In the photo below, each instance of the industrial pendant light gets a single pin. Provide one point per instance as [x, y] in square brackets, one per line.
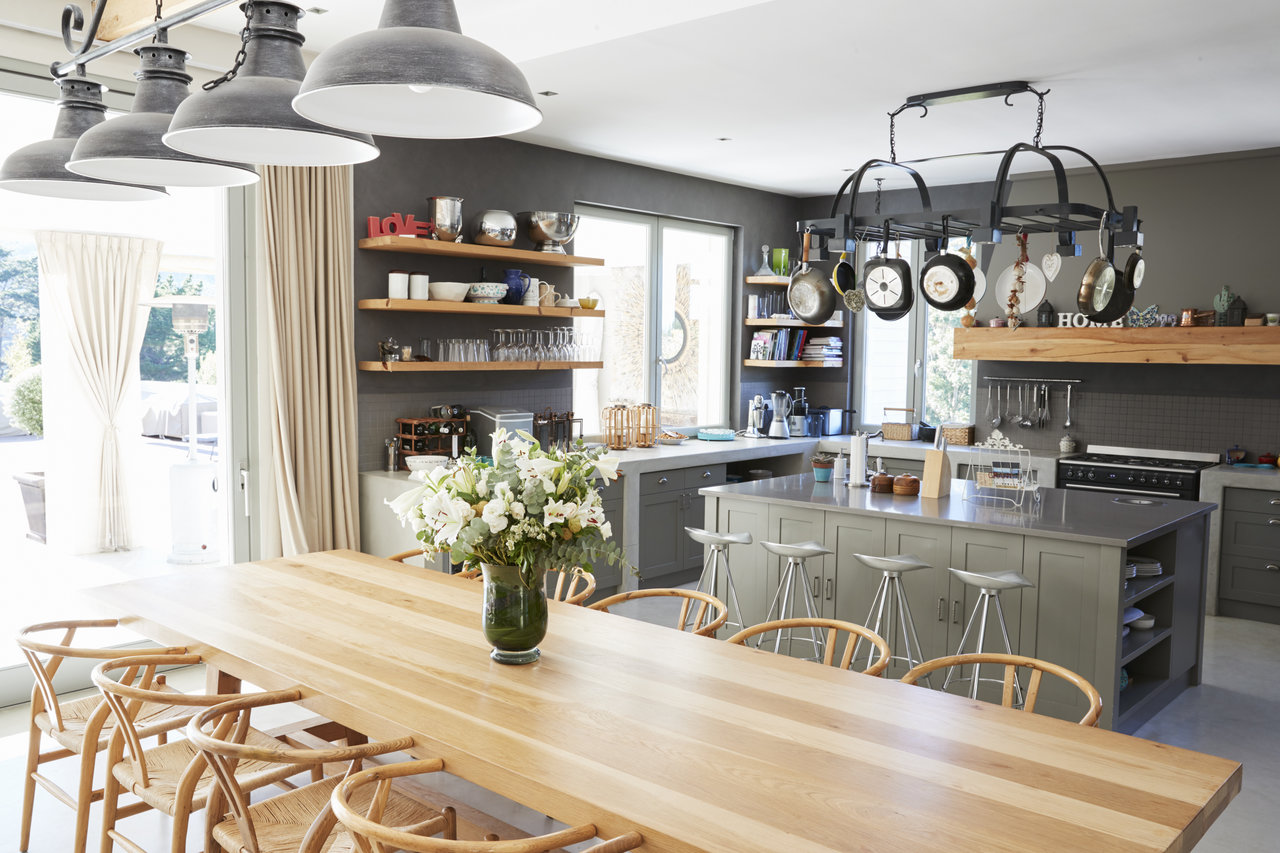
[41, 167]
[249, 115]
[417, 76]
[129, 148]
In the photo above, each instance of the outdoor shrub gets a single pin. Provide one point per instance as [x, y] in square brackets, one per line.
[26, 404]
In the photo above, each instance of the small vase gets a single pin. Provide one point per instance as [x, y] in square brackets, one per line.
[515, 613]
[822, 473]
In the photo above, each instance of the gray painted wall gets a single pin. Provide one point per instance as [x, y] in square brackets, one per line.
[1207, 222]
[500, 173]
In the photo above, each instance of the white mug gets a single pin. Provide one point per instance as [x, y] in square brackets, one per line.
[419, 286]
[531, 292]
[398, 284]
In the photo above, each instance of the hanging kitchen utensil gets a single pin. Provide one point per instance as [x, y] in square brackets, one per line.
[810, 296]
[1134, 269]
[887, 283]
[947, 281]
[845, 281]
[1099, 298]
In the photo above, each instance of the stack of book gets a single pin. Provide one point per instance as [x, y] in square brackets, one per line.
[794, 345]
[823, 349]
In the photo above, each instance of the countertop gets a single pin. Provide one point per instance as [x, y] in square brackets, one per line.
[1218, 476]
[1060, 514]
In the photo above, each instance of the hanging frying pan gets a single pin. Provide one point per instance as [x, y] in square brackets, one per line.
[810, 296]
[1102, 297]
[1134, 269]
[947, 281]
[887, 282]
[845, 281]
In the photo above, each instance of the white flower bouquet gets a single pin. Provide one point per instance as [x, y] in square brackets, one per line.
[529, 508]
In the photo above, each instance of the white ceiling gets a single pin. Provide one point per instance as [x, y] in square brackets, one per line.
[802, 87]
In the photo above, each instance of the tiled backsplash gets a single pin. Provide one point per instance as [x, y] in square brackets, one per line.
[378, 413]
[1155, 421]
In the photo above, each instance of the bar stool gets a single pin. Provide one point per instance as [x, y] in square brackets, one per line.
[990, 587]
[890, 606]
[719, 556]
[793, 584]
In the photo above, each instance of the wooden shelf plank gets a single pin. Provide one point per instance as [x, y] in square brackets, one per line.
[427, 246]
[473, 366]
[1112, 345]
[757, 362]
[790, 323]
[768, 279]
[441, 306]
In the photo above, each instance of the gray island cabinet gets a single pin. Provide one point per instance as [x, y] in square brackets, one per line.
[1072, 545]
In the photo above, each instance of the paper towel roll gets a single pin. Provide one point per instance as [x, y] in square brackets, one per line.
[858, 461]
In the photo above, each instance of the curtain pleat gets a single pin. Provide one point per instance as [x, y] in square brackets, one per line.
[307, 244]
[96, 283]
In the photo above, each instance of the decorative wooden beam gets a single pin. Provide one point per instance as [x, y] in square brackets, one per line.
[124, 16]
[1192, 345]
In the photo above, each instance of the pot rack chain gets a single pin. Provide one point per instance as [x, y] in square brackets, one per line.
[923, 102]
[240, 54]
[84, 53]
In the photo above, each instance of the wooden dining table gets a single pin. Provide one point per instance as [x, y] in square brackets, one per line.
[697, 744]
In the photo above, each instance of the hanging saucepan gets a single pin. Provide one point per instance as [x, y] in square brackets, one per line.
[947, 281]
[810, 296]
[1102, 298]
[1134, 269]
[886, 282]
[845, 281]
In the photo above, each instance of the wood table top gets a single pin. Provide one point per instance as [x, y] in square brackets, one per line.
[698, 744]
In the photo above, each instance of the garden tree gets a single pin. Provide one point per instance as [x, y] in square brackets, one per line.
[19, 312]
[162, 355]
[950, 380]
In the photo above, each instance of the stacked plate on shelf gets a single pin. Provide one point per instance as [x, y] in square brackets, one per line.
[1146, 567]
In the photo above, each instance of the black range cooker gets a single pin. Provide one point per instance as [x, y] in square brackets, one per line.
[1134, 471]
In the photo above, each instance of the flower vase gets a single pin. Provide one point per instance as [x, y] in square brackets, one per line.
[515, 612]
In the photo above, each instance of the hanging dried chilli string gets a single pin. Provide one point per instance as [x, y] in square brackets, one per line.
[244, 44]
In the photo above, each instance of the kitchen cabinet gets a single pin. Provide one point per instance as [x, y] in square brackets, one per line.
[1249, 563]
[669, 502]
[832, 327]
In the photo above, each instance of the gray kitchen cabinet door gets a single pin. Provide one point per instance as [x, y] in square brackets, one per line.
[927, 590]
[848, 585]
[747, 562]
[1063, 616]
[695, 507]
[661, 547]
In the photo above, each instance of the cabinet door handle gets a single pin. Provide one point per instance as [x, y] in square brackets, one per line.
[706, 475]
[1272, 567]
[955, 612]
[662, 481]
[942, 610]
[1275, 501]
[817, 586]
[1273, 521]
[830, 587]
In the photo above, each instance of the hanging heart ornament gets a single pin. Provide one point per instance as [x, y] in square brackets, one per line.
[1050, 264]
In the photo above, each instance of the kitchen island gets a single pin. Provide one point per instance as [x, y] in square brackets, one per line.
[1072, 545]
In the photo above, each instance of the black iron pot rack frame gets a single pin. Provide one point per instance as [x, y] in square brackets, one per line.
[986, 224]
[85, 52]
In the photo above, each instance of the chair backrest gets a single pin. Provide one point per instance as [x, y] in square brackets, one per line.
[219, 733]
[1011, 663]
[136, 686]
[855, 634]
[704, 619]
[44, 697]
[372, 836]
[406, 555]
[572, 586]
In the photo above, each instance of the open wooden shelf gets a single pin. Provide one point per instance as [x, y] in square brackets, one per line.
[473, 366]
[1112, 345]
[441, 306]
[768, 279]
[427, 246]
[791, 324]
[758, 362]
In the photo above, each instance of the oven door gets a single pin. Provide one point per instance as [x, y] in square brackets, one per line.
[1124, 490]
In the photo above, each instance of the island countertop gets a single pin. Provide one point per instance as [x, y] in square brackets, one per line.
[1095, 517]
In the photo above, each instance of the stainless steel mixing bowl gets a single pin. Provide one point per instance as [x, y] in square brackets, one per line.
[550, 230]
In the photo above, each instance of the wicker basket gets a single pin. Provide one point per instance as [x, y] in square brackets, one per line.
[958, 435]
[899, 431]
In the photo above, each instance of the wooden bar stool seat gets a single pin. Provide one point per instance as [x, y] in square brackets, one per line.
[370, 826]
[81, 727]
[793, 587]
[1009, 695]
[716, 563]
[700, 613]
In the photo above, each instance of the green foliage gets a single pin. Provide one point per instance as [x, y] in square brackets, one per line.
[163, 356]
[19, 312]
[949, 382]
[26, 404]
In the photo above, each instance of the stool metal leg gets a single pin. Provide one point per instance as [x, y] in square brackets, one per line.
[710, 580]
[980, 612]
[890, 608]
[909, 636]
[794, 574]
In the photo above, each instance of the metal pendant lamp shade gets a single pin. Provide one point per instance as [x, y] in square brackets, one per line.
[251, 117]
[418, 76]
[130, 148]
[41, 167]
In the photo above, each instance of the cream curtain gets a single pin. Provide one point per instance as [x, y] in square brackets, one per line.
[307, 240]
[96, 283]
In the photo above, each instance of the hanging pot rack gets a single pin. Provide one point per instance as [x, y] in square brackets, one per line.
[985, 224]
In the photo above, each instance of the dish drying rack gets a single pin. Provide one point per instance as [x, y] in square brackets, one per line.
[1000, 476]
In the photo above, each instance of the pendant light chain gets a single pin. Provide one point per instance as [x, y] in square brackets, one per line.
[1039, 118]
[161, 36]
[893, 141]
[244, 44]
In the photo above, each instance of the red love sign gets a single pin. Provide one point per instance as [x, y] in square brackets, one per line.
[396, 225]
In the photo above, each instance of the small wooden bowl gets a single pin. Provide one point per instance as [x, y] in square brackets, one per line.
[906, 485]
[882, 483]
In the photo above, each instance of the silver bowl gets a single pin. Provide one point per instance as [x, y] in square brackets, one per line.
[494, 228]
[550, 230]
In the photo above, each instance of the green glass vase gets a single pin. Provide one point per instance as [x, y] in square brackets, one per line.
[515, 613]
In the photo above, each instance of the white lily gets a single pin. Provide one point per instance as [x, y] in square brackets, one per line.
[403, 503]
[556, 512]
[607, 467]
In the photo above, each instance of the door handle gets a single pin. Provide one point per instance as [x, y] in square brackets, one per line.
[1272, 567]
[706, 475]
[830, 585]
[1275, 501]
[955, 612]
[244, 489]
[942, 610]
[662, 481]
[1273, 521]
[817, 586]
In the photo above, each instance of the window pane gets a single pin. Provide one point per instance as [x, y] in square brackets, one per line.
[620, 339]
[948, 383]
[693, 330]
[886, 358]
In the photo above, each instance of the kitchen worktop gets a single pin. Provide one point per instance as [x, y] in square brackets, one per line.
[1060, 514]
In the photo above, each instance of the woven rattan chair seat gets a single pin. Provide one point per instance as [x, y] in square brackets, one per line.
[76, 712]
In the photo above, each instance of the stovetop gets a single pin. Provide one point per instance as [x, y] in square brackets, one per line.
[1132, 457]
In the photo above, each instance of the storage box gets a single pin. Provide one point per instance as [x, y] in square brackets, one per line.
[958, 435]
[894, 431]
[489, 419]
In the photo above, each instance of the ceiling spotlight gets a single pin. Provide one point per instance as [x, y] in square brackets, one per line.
[250, 117]
[417, 76]
[41, 168]
[129, 148]
[724, 139]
